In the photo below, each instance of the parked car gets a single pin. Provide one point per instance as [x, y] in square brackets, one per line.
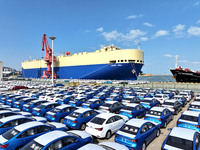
[92, 103]
[173, 105]
[77, 101]
[29, 106]
[79, 118]
[194, 106]
[114, 97]
[111, 106]
[55, 140]
[59, 113]
[133, 110]
[43, 108]
[131, 99]
[182, 138]
[181, 99]
[20, 135]
[137, 133]
[20, 103]
[105, 124]
[149, 102]
[10, 102]
[65, 99]
[190, 120]
[161, 97]
[159, 115]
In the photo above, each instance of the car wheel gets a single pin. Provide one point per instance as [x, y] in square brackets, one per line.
[83, 126]
[158, 133]
[165, 125]
[143, 146]
[108, 134]
[62, 120]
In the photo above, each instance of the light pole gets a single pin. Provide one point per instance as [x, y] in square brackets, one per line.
[52, 38]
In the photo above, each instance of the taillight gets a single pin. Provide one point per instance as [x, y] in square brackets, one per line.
[74, 121]
[27, 107]
[172, 107]
[38, 111]
[159, 119]
[18, 104]
[54, 116]
[145, 116]
[135, 140]
[130, 113]
[99, 129]
[10, 102]
[108, 109]
[198, 126]
[4, 146]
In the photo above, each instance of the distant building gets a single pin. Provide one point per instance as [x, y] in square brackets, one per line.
[1, 69]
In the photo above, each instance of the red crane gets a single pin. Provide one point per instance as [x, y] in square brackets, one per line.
[47, 58]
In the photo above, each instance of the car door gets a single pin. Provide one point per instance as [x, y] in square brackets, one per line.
[117, 124]
[110, 125]
[145, 135]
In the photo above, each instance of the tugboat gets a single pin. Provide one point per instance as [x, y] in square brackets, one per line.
[185, 75]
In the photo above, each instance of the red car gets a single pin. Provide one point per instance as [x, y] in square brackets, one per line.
[19, 87]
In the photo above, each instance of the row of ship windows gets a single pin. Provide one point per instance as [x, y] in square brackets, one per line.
[130, 61]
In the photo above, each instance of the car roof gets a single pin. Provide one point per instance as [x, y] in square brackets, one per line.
[191, 113]
[5, 111]
[195, 103]
[92, 100]
[136, 122]
[158, 108]
[63, 106]
[105, 115]
[37, 100]
[82, 110]
[47, 103]
[11, 118]
[131, 104]
[183, 133]
[171, 100]
[50, 136]
[111, 102]
[149, 99]
[27, 125]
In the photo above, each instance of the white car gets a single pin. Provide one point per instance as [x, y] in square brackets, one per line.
[54, 98]
[186, 95]
[194, 106]
[104, 146]
[105, 124]
[45, 96]
[161, 97]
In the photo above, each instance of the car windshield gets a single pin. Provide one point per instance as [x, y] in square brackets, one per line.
[168, 103]
[153, 112]
[129, 129]
[189, 118]
[40, 106]
[88, 102]
[74, 114]
[10, 133]
[195, 106]
[55, 110]
[106, 105]
[106, 147]
[183, 94]
[179, 143]
[33, 145]
[128, 108]
[158, 96]
[98, 120]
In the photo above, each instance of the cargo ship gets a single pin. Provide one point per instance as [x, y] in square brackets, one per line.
[185, 75]
[108, 63]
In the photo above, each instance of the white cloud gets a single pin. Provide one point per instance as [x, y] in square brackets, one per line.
[194, 31]
[133, 36]
[198, 22]
[196, 4]
[99, 29]
[178, 30]
[134, 16]
[168, 55]
[161, 33]
[148, 24]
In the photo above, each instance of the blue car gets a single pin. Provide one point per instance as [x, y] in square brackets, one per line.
[101, 96]
[43, 108]
[3, 97]
[77, 101]
[194, 106]
[159, 115]
[59, 113]
[79, 118]
[7, 113]
[10, 97]
[133, 111]
[93, 103]
[169, 94]
[10, 102]
[149, 102]
[19, 104]
[137, 133]
[115, 97]
[90, 94]
[59, 140]
[37, 94]
[190, 120]
[9, 122]
[29, 106]
[131, 99]
[65, 100]
[181, 99]
[182, 138]
[22, 134]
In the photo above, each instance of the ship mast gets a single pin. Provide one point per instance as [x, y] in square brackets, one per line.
[176, 60]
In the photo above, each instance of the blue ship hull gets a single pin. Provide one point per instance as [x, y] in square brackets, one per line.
[119, 71]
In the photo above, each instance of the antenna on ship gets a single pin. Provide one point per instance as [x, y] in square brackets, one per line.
[139, 46]
[176, 60]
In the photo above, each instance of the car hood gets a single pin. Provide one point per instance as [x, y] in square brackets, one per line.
[82, 134]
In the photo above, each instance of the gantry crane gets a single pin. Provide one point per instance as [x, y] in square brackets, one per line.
[47, 58]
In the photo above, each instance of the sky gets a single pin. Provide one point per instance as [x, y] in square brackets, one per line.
[164, 28]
